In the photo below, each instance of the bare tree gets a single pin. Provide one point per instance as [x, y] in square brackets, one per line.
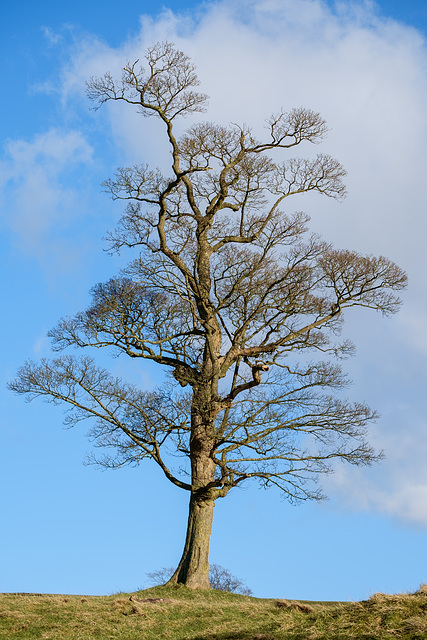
[234, 297]
[223, 580]
[219, 578]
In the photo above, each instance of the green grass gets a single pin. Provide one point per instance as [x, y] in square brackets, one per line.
[180, 614]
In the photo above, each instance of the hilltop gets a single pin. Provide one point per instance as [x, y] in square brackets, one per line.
[176, 613]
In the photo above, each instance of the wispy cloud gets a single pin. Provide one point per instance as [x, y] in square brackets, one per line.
[53, 37]
[38, 197]
[398, 486]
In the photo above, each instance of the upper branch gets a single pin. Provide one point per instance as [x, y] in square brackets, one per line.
[164, 88]
[288, 129]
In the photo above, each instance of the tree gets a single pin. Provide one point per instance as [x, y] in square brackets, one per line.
[233, 297]
[219, 578]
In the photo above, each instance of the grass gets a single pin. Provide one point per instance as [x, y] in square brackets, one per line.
[176, 613]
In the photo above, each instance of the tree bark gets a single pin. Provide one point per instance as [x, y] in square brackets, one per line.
[193, 569]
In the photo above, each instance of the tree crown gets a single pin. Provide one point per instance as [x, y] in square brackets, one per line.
[229, 291]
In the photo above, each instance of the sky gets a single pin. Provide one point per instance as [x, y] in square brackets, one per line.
[70, 528]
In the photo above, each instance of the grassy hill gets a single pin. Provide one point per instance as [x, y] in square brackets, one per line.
[176, 613]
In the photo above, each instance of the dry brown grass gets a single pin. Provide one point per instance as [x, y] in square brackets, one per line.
[179, 614]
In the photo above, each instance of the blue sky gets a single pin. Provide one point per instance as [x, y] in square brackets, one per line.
[69, 528]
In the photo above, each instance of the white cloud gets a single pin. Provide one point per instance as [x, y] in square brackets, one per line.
[53, 148]
[53, 38]
[365, 75]
[36, 197]
[398, 486]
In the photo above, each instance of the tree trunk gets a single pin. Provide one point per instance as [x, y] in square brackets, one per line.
[193, 569]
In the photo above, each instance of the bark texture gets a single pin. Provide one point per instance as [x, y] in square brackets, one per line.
[193, 568]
